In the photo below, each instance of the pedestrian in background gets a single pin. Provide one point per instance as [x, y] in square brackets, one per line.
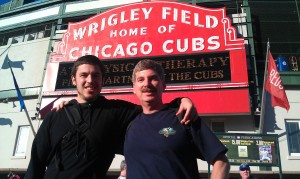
[245, 171]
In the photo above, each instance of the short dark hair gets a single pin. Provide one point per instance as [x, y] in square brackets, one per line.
[87, 59]
[147, 64]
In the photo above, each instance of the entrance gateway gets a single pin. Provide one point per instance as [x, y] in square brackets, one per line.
[200, 50]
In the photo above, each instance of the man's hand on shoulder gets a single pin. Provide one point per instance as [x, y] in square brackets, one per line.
[60, 105]
[188, 109]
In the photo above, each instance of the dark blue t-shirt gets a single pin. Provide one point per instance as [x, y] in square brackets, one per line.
[158, 146]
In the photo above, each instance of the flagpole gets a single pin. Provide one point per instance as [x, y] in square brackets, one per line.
[30, 123]
[25, 109]
[263, 100]
[5, 50]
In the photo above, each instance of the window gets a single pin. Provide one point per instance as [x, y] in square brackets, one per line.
[284, 16]
[293, 136]
[217, 126]
[25, 34]
[31, 37]
[22, 139]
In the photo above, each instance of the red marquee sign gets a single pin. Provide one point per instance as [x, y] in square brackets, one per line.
[169, 30]
[150, 29]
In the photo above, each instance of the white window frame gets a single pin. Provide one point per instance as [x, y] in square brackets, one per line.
[21, 141]
[292, 121]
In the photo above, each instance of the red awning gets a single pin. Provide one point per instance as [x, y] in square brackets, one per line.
[47, 108]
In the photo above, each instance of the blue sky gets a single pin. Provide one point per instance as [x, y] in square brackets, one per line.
[4, 1]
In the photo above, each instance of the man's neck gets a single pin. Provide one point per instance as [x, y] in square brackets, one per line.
[80, 100]
[150, 108]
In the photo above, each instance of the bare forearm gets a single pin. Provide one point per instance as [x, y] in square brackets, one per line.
[221, 168]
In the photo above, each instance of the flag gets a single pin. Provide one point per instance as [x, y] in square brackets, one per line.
[274, 85]
[20, 97]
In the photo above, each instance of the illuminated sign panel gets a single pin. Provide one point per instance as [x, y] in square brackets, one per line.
[197, 46]
[254, 149]
[180, 69]
[151, 29]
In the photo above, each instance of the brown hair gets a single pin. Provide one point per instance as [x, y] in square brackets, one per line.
[149, 64]
[87, 59]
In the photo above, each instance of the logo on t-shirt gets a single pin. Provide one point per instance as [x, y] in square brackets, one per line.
[167, 131]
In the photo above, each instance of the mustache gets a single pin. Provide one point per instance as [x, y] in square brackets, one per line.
[148, 89]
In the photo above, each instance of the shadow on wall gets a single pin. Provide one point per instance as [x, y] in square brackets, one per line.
[270, 122]
[5, 121]
[13, 64]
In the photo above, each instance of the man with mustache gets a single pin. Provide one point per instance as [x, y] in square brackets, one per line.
[62, 150]
[156, 145]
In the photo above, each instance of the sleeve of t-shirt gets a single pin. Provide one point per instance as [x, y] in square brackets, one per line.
[206, 141]
[40, 151]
